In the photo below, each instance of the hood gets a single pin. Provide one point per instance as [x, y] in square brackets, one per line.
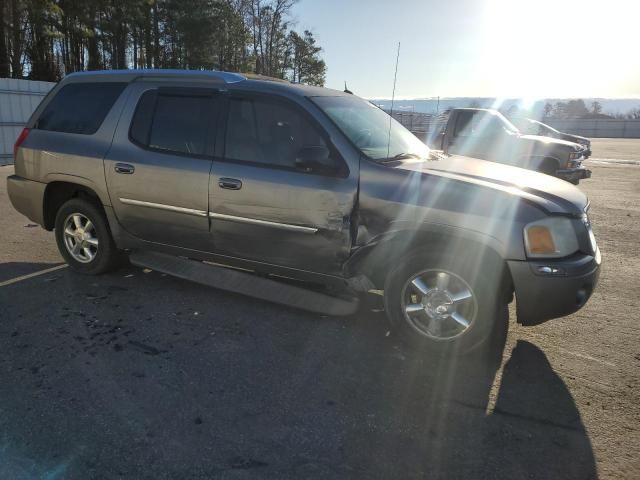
[570, 137]
[551, 142]
[554, 195]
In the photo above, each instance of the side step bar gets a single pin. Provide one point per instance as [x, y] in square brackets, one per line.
[245, 283]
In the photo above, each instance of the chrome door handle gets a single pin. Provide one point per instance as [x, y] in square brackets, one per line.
[230, 183]
[124, 168]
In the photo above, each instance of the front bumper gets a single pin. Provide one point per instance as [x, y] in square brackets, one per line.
[27, 197]
[577, 173]
[547, 289]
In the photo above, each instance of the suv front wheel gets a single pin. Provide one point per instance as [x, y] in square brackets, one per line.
[446, 303]
[83, 237]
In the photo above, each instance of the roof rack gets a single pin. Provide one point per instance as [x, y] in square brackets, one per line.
[224, 77]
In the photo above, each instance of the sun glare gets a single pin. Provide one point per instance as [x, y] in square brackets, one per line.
[560, 48]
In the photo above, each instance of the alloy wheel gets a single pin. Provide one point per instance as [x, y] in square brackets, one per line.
[80, 238]
[439, 304]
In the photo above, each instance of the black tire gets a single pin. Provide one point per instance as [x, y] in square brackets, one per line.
[482, 274]
[106, 256]
[548, 167]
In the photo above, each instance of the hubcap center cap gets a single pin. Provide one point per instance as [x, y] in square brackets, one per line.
[82, 236]
[437, 304]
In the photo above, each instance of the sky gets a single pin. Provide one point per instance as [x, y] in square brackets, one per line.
[478, 48]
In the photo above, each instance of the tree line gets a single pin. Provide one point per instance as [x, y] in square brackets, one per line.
[574, 109]
[46, 39]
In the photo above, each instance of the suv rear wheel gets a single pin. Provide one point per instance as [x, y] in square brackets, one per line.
[83, 237]
[446, 303]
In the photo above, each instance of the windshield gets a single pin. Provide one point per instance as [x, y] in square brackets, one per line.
[544, 126]
[508, 126]
[367, 126]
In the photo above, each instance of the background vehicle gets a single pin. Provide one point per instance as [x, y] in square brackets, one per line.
[487, 134]
[529, 126]
[303, 183]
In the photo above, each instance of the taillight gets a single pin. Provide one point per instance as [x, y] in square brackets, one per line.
[21, 138]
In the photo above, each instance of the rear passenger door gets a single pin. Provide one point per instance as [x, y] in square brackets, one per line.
[158, 167]
[269, 206]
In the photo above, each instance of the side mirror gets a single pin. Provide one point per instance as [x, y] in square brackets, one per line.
[314, 159]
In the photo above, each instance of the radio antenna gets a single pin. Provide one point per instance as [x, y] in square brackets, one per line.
[393, 97]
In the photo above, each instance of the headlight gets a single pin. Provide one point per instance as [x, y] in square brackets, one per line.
[574, 155]
[551, 237]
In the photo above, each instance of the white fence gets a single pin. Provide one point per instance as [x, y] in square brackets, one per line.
[598, 128]
[18, 99]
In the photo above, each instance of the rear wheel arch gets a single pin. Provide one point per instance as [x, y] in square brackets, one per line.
[58, 192]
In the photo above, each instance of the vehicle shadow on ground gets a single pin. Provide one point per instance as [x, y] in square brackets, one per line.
[441, 418]
[134, 375]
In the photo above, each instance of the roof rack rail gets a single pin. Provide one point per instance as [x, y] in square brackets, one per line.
[224, 77]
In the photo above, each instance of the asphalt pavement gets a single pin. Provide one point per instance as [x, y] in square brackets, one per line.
[135, 374]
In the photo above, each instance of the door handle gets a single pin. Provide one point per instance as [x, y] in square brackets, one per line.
[124, 168]
[230, 183]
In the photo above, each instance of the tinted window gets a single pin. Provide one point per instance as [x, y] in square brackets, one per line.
[464, 126]
[80, 107]
[270, 132]
[476, 124]
[141, 124]
[175, 123]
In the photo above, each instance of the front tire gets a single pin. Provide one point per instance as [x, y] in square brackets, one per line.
[84, 239]
[446, 303]
[548, 167]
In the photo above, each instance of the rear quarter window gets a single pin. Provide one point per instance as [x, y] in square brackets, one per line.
[80, 107]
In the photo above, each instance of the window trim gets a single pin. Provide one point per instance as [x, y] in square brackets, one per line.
[211, 94]
[343, 172]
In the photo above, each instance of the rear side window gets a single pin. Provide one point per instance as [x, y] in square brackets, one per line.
[173, 122]
[80, 107]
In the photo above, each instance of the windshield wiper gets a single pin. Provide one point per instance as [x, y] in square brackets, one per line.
[400, 156]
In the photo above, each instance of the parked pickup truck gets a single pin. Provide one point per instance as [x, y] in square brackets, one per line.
[487, 134]
[529, 126]
[299, 195]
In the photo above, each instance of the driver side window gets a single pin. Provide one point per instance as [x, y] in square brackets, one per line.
[264, 131]
[472, 124]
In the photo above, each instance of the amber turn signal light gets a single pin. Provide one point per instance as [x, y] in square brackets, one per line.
[540, 240]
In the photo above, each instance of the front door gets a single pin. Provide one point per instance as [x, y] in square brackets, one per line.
[158, 168]
[274, 197]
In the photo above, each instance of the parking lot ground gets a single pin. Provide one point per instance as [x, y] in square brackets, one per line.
[616, 148]
[135, 374]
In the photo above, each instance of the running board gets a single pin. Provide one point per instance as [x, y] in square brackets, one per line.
[245, 283]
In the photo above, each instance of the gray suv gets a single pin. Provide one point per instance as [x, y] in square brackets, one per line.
[299, 195]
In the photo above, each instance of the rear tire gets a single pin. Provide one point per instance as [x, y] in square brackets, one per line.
[84, 239]
[447, 303]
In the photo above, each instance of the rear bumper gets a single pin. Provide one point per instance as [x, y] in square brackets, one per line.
[561, 289]
[577, 173]
[27, 197]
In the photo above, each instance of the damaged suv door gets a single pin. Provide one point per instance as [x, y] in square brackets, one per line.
[279, 192]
